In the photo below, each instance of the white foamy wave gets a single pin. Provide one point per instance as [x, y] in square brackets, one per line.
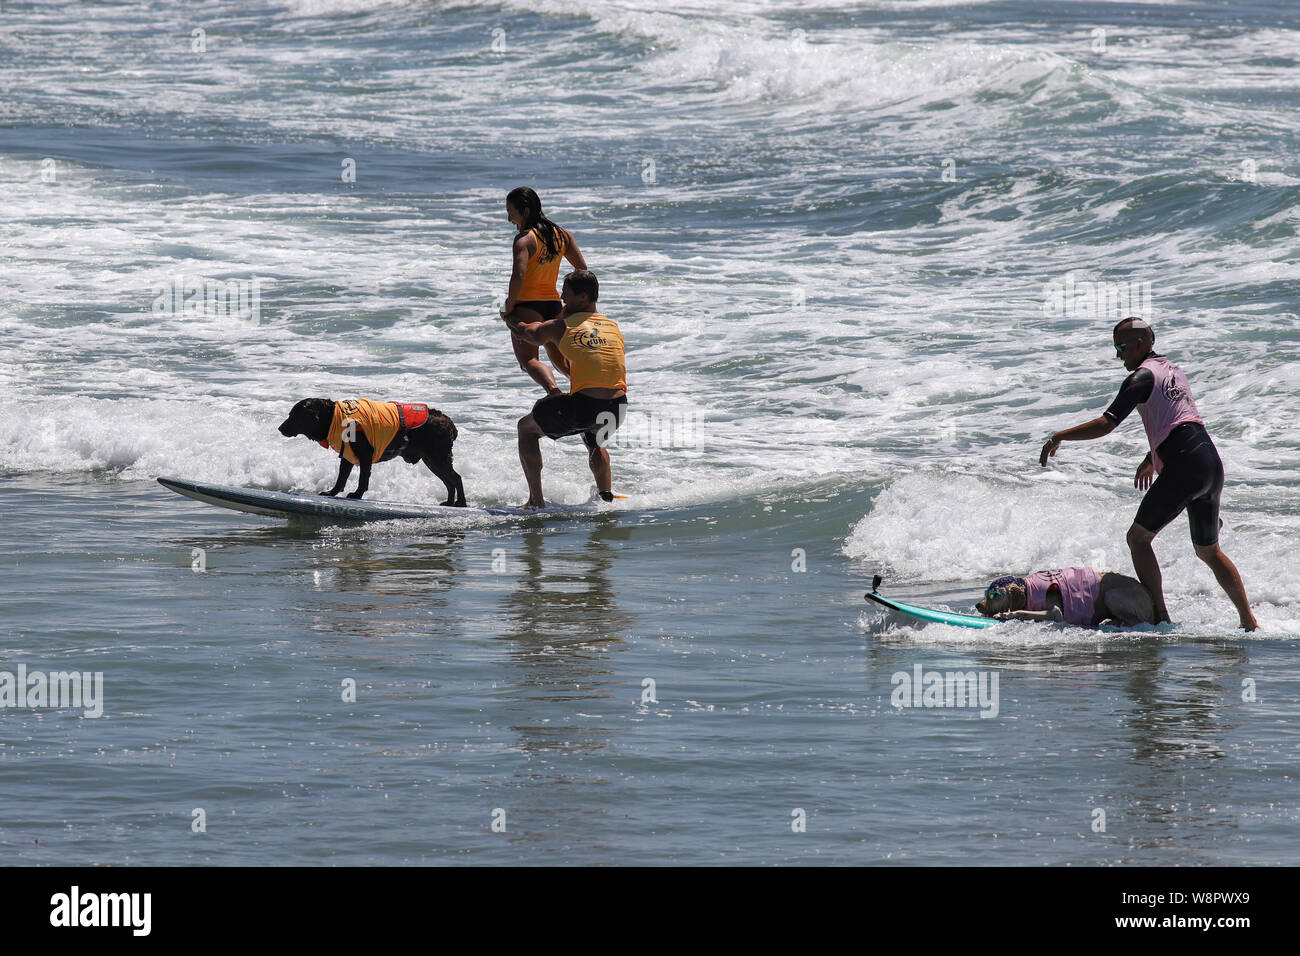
[948, 526]
[333, 8]
[759, 57]
[235, 441]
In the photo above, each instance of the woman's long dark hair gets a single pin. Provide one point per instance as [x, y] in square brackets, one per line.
[525, 200]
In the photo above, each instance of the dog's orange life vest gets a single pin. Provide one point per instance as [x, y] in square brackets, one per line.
[594, 347]
[539, 276]
[380, 422]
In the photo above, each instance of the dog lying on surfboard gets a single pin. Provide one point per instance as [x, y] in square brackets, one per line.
[1081, 596]
[365, 432]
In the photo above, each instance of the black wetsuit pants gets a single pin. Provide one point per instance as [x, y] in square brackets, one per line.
[1192, 478]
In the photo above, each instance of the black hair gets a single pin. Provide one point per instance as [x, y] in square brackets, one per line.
[1134, 318]
[526, 201]
[583, 282]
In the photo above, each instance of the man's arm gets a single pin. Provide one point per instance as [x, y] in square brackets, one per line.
[1135, 390]
[537, 333]
[1097, 428]
[558, 359]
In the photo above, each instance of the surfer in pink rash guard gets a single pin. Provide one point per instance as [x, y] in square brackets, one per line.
[1190, 473]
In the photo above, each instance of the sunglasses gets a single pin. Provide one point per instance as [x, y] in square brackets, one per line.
[1121, 346]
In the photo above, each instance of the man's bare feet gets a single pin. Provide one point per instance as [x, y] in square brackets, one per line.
[1251, 625]
[531, 505]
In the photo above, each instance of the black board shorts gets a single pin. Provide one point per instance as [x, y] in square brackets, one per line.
[546, 308]
[562, 415]
[1192, 478]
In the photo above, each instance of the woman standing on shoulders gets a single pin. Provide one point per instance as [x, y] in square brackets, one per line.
[539, 247]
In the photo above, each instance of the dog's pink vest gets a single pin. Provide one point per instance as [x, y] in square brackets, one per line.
[1078, 587]
[1169, 406]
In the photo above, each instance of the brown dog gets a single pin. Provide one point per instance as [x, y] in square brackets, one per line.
[1078, 596]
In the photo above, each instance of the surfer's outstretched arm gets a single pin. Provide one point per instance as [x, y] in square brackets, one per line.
[1053, 613]
[1096, 428]
[537, 333]
[558, 358]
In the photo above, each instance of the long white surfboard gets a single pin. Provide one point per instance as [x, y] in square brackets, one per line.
[287, 504]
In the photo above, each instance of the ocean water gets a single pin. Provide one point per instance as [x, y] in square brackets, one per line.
[871, 254]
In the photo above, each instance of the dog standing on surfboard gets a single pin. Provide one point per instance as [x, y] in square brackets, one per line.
[364, 432]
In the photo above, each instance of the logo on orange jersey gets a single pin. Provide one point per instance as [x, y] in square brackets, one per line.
[589, 339]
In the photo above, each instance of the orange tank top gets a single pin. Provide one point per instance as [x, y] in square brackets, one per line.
[540, 276]
[594, 347]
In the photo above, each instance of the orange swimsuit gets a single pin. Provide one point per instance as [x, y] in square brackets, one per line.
[540, 275]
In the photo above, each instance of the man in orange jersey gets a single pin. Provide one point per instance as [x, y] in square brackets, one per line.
[596, 404]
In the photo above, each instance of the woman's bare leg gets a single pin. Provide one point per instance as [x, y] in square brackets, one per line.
[527, 353]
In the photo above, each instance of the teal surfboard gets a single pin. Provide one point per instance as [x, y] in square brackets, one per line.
[929, 613]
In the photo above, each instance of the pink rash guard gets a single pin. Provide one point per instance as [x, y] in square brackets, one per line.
[1169, 406]
[1078, 587]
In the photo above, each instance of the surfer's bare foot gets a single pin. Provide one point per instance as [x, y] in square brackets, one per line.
[1251, 625]
[531, 505]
